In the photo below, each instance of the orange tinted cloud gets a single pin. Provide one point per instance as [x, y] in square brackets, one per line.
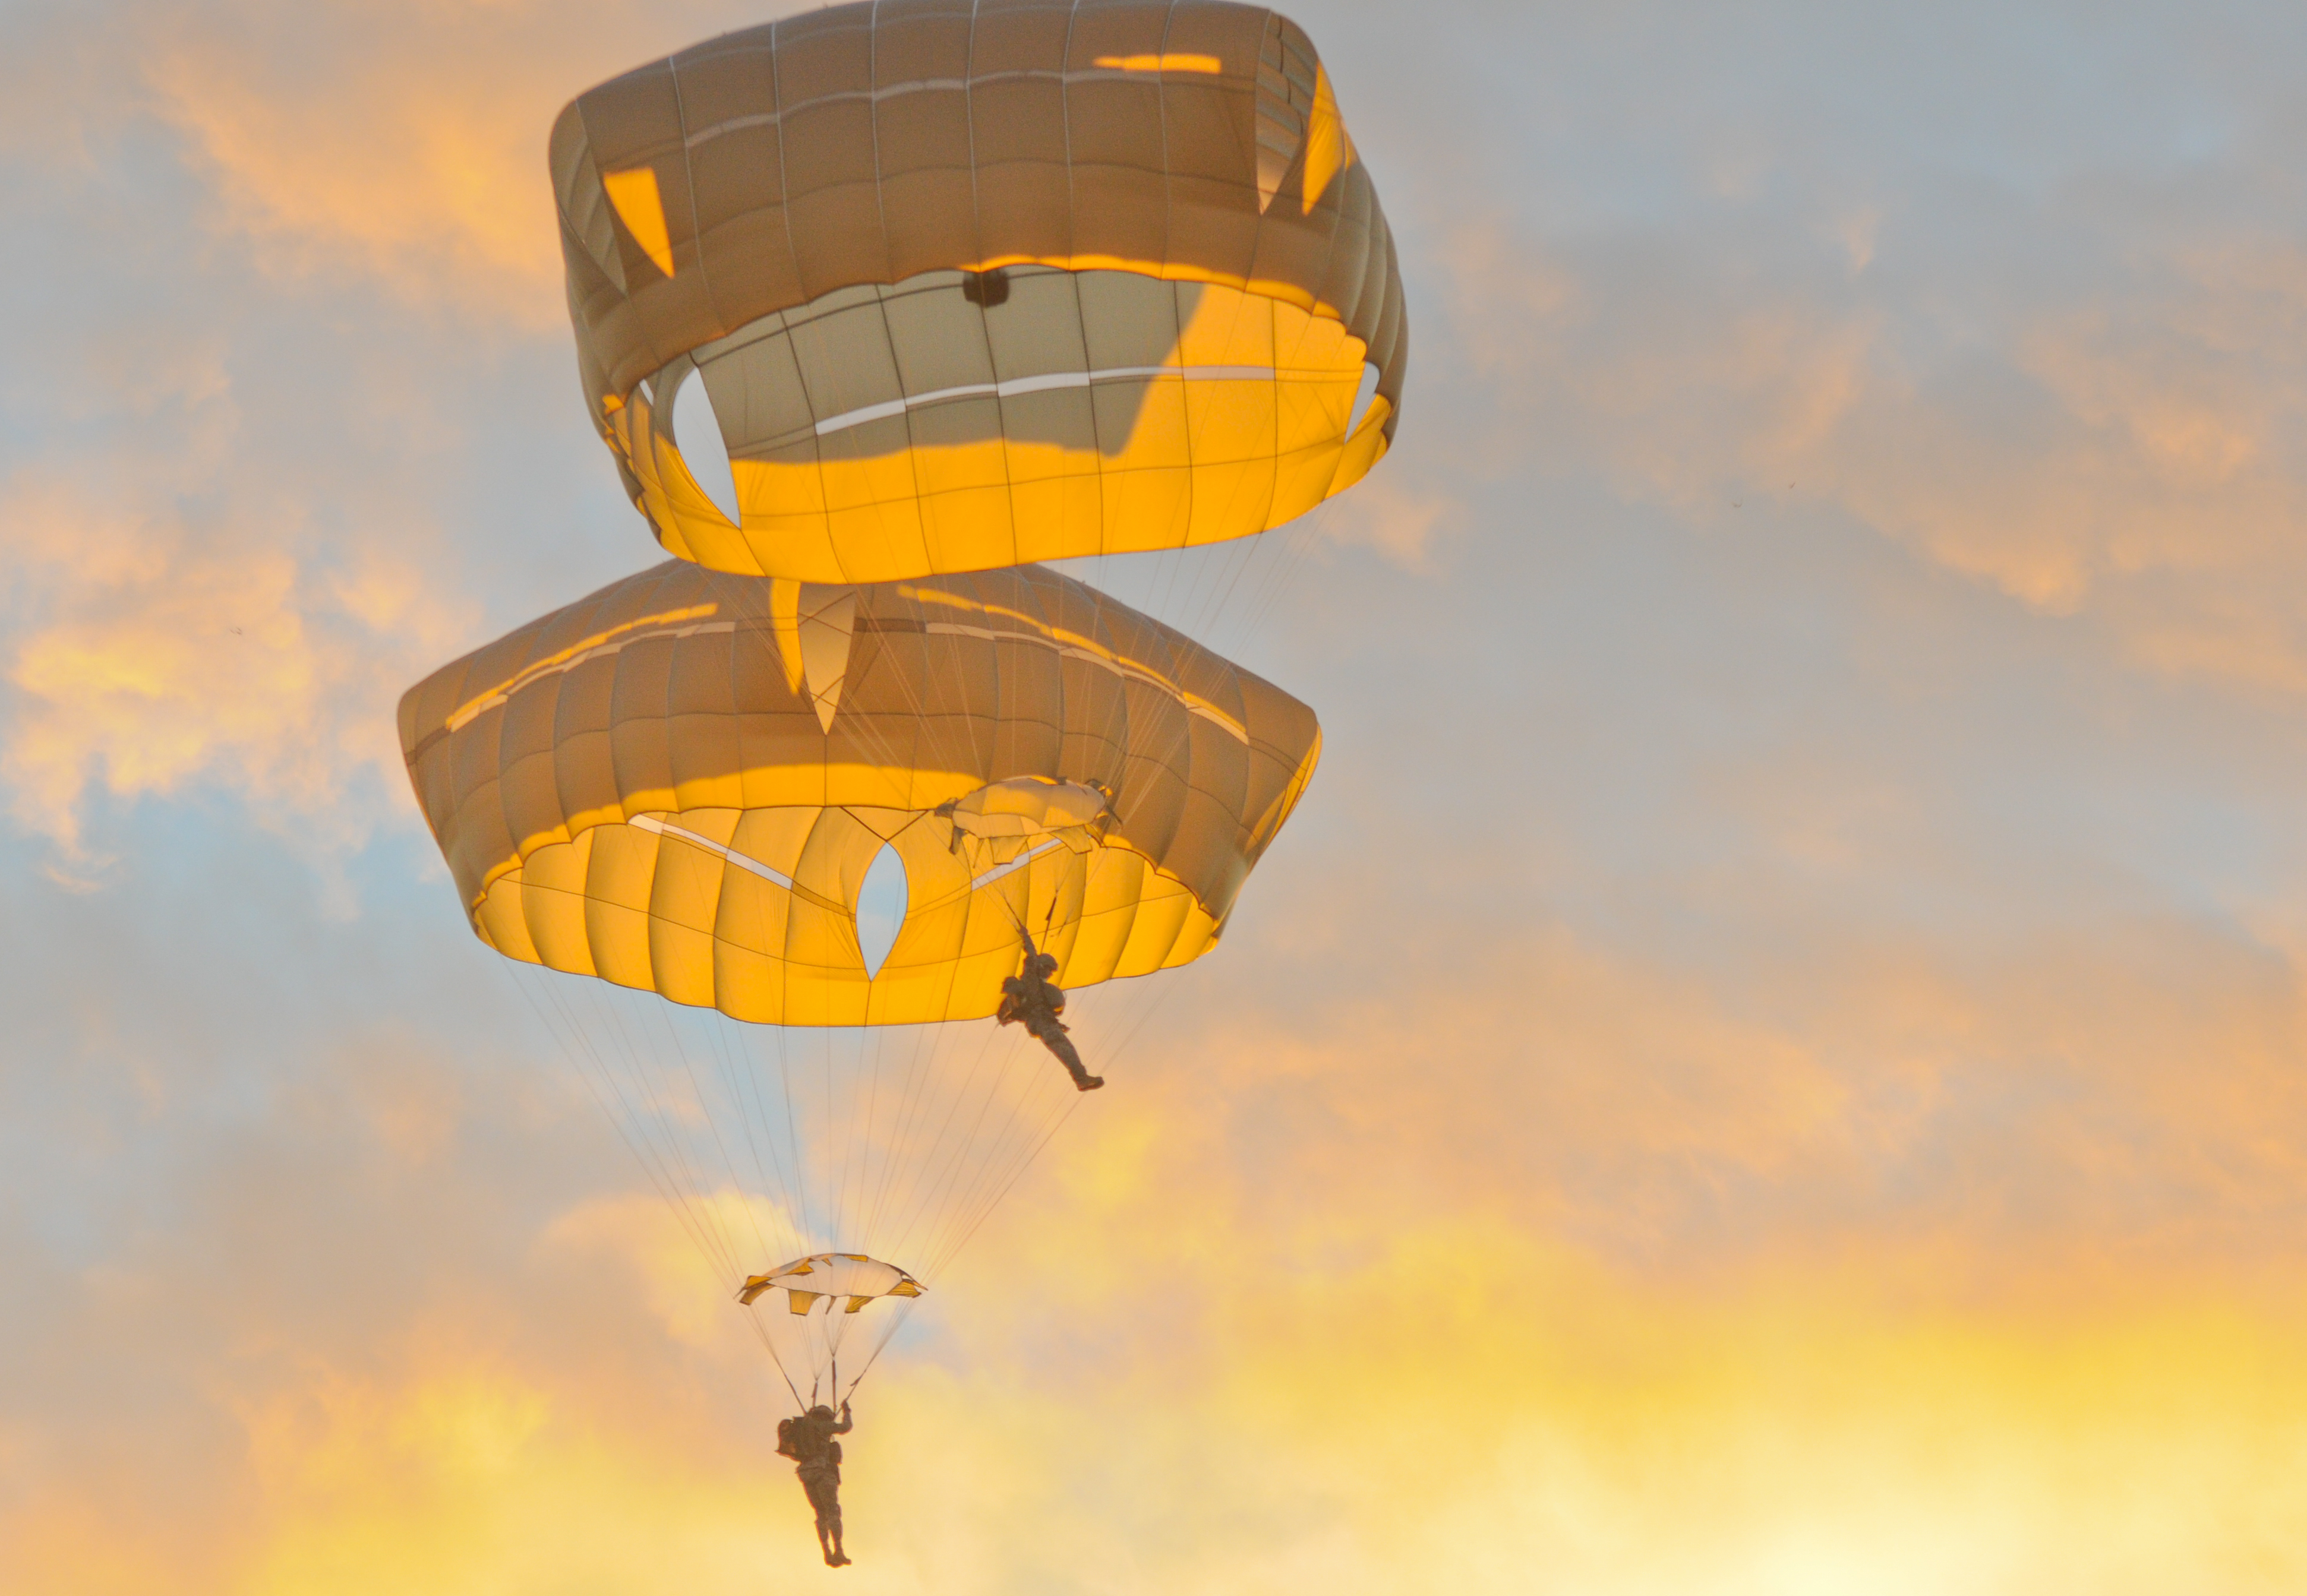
[1312, 1422]
[164, 657]
[1303, 1312]
[404, 146]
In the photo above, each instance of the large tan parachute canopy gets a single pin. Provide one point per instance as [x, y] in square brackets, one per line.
[976, 282]
[680, 782]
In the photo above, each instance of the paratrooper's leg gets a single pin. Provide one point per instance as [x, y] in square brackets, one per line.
[1054, 1038]
[824, 1501]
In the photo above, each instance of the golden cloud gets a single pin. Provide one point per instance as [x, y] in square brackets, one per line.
[1307, 1425]
[163, 657]
[404, 145]
[1305, 1317]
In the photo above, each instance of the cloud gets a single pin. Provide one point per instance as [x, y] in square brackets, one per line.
[1202, 1386]
[161, 653]
[405, 147]
[2078, 385]
[1403, 522]
[2128, 457]
[365, 143]
[1849, 1265]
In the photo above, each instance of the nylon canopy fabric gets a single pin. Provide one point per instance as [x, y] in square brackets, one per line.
[977, 282]
[679, 783]
[851, 1278]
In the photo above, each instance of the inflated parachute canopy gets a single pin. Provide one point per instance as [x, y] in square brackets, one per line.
[680, 782]
[850, 1278]
[977, 282]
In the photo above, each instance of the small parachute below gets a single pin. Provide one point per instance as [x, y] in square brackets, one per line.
[850, 1278]
[807, 1312]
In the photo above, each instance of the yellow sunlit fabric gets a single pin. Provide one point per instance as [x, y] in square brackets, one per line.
[633, 196]
[853, 1277]
[648, 785]
[971, 283]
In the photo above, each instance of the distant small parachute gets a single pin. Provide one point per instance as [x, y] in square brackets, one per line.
[851, 1280]
[974, 285]
[822, 1294]
[679, 787]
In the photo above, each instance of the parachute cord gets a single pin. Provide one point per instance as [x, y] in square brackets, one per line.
[1016, 919]
[713, 1123]
[910, 1100]
[792, 1127]
[690, 1159]
[1304, 537]
[966, 1205]
[754, 1108]
[567, 1039]
[673, 1156]
[768, 1342]
[825, 1055]
[1023, 1061]
[662, 1163]
[1007, 1150]
[879, 1044]
[1222, 592]
[896, 1322]
[949, 1247]
[908, 1093]
[953, 1251]
[939, 1166]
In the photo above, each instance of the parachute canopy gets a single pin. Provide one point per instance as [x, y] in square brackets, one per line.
[977, 282]
[1026, 806]
[851, 1278]
[680, 782]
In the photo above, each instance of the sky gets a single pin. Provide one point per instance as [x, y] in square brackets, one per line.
[1799, 926]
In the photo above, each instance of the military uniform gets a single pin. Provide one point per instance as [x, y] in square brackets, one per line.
[1035, 1000]
[808, 1441]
